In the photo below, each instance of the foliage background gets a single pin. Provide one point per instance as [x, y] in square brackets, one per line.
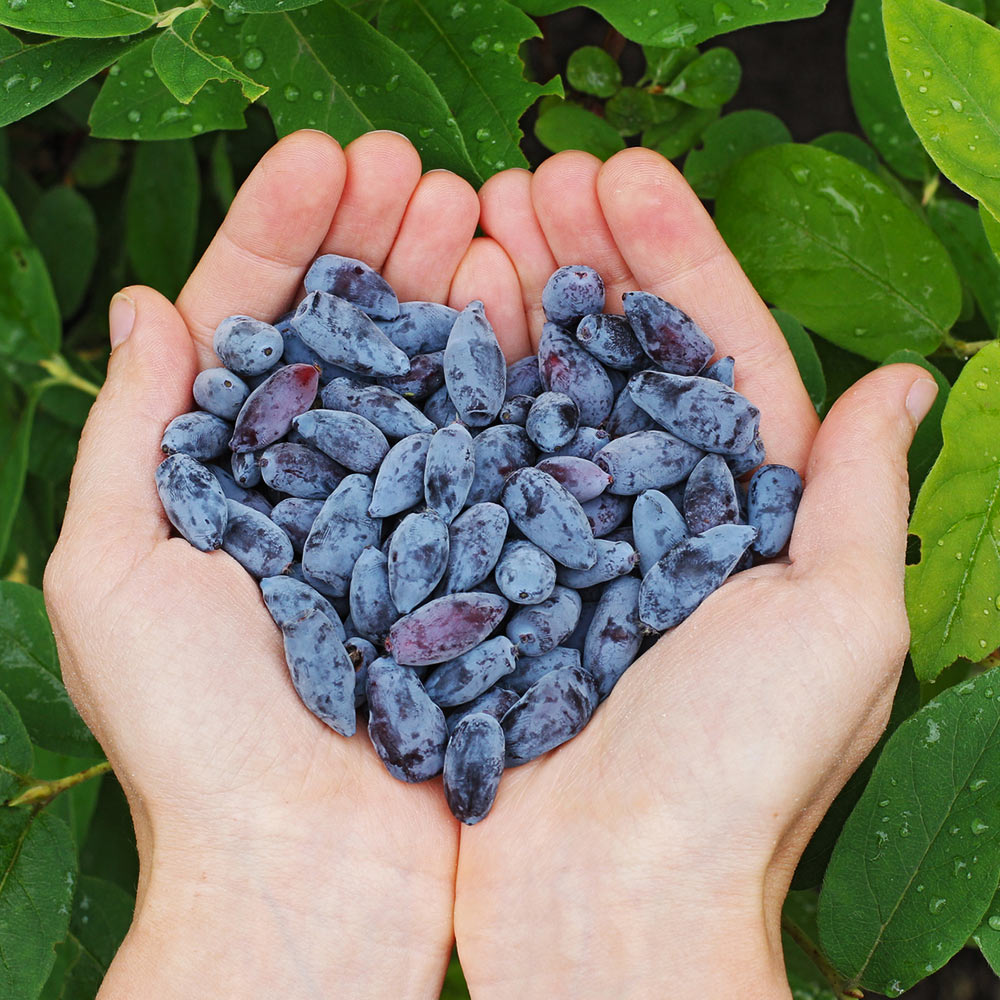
[860, 155]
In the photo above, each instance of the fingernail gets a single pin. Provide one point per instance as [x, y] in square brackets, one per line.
[921, 398]
[121, 318]
[388, 131]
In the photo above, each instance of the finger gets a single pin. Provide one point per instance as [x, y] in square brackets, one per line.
[853, 513]
[486, 273]
[508, 216]
[383, 169]
[675, 251]
[113, 499]
[564, 194]
[435, 233]
[271, 233]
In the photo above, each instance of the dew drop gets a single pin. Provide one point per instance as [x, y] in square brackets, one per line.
[12, 81]
[482, 134]
[480, 44]
[34, 83]
[148, 73]
[425, 132]
[457, 11]
[936, 905]
[134, 116]
[978, 827]
[253, 59]
[994, 922]
[977, 784]
[922, 89]
[957, 105]
[392, 83]
[291, 92]
[317, 95]
[800, 173]
[174, 114]
[981, 385]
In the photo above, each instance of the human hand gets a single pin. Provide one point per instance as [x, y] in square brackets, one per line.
[651, 855]
[277, 858]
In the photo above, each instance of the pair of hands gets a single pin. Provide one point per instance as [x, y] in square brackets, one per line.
[655, 849]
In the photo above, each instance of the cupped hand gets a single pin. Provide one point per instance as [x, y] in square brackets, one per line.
[277, 858]
[649, 856]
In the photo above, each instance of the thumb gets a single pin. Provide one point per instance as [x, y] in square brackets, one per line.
[853, 513]
[113, 499]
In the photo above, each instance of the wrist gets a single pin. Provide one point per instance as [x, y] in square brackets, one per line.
[302, 910]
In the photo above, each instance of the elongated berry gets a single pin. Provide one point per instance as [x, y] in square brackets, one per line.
[267, 414]
[299, 471]
[476, 540]
[355, 281]
[581, 477]
[449, 471]
[615, 634]
[710, 496]
[295, 517]
[321, 670]
[611, 340]
[531, 669]
[572, 291]
[394, 416]
[348, 438]
[537, 628]
[445, 628]
[614, 559]
[220, 391]
[256, 542]
[474, 367]
[646, 460]
[342, 334]
[772, 501]
[418, 557]
[667, 334]
[473, 765]
[498, 450]
[420, 327]
[399, 483]
[203, 436]
[564, 366]
[342, 530]
[690, 572]
[426, 376]
[552, 420]
[467, 676]
[372, 610]
[701, 411]
[550, 712]
[247, 346]
[523, 378]
[605, 513]
[288, 599]
[406, 728]
[657, 526]
[494, 702]
[193, 500]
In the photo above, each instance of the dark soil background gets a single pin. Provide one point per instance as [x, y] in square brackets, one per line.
[795, 70]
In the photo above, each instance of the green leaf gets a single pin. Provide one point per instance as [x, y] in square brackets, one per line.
[684, 22]
[711, 80]
[37, 75]
[109, 851]
[674, 137]
[102, 913]
[74, 806]
[804, 978]
[662, 65]
[991, 226]
[960, 229]
[806, 358]
[977, 7]
[593, 70]
[826, 240]
[473, 59]
[184, 66]
[85, 19]
[4, 157]
[29, 316]
[874, 96]
[37, 875]
[633, 109]
[221, 168]
[987, 934]
[946, 64]
[237, 7]
[953, 593]
[15, 750]
[816, 857]
[96, 163]
[454, 986]
[926, 444]
[64, 228]
[160, 230]
[727, 141]
[135, 104]
[329, 69]
[848, 144]
[13, 467]
[29, 674]
[916, 865]
[568, 126]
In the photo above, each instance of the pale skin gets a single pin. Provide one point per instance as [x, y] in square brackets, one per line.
[649, 856]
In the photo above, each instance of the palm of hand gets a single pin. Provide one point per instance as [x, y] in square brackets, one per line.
[204, 725]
